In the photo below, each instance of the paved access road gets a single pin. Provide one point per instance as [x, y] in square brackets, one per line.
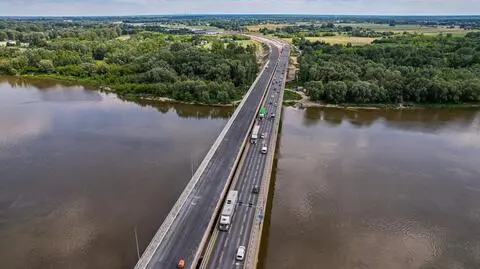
[226, 243]
[182, 240]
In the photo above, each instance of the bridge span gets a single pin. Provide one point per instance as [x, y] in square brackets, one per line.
[187, 227]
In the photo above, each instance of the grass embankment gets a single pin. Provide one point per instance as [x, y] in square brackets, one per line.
[289, 95]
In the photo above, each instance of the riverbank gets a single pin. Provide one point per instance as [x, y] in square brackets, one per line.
[305, 102]
[134, 97]
[110, 89]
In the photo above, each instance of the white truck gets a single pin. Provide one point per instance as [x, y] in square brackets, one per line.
[227, 211]
[254, 136]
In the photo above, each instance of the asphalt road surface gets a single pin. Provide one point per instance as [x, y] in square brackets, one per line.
[226, 244]
[183, 239]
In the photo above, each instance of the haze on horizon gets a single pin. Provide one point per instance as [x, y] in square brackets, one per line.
[159, 7]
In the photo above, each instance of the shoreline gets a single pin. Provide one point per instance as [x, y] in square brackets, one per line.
[170, 100]
[128, 96]
[305, 102]
[312, 104]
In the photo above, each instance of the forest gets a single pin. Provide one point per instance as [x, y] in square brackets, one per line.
[324, 29]
[406, 68]
[131, 60]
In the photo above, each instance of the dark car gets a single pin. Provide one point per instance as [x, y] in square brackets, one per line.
[256, 189]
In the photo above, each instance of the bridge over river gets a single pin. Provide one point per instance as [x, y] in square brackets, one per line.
[189, 231]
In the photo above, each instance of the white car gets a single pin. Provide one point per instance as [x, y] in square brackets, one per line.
[263, 135]
[264, 149]
[240, 253]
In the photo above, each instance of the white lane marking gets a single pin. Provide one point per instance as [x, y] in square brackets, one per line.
[253, 163]
[221, 257]
[226, 241]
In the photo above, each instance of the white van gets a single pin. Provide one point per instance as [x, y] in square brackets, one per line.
[240, 253]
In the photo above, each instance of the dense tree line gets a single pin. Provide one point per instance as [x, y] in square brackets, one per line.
[403, 68]
[176, 66]
[324, 29]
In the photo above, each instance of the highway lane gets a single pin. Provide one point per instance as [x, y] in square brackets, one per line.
[183, 238]
[222, 254]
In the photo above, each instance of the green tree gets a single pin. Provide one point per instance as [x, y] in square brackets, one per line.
[46, 66]
[335, 92]
[100, 53]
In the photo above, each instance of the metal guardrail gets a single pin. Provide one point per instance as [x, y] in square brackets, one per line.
[257, 227]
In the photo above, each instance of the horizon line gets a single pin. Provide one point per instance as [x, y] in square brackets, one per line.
[255, 14]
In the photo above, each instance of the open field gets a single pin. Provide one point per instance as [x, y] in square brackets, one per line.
[339, 39]
[256, 28]
[407, 28]
[123, 37]
[179, 25]
[245, 43]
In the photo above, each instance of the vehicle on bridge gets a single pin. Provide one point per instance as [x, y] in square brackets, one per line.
[264, 149]
[228, 210]
[254, 136]
[240, 253]
[262, 112]
[181, 264]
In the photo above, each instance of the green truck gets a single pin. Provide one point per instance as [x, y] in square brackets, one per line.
[262, 112]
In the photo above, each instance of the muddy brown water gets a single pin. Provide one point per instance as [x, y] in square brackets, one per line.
[376, 189]
[80, 170]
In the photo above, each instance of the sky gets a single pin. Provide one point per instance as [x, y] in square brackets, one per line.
[160, 7]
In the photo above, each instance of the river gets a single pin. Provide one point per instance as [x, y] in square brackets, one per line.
[377, 190]
[81, 170]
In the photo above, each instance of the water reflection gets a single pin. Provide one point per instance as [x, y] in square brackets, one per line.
[377, 189]
[424, 120]
[189, 111]
[80, 170]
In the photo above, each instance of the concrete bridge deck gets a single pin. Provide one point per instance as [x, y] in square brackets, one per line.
[186, 228]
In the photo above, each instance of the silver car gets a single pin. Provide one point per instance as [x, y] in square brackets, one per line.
[240, 253]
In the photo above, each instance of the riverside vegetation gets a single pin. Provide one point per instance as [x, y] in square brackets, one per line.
[411, 68]
[164, 56]
[133, 60]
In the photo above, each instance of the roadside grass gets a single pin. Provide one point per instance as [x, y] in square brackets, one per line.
[289, 95]
[288, 40]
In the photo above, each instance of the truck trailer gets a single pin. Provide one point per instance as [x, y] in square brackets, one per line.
[254, 136]
[228, 210]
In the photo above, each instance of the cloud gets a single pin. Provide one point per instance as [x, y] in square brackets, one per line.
[129, 7]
